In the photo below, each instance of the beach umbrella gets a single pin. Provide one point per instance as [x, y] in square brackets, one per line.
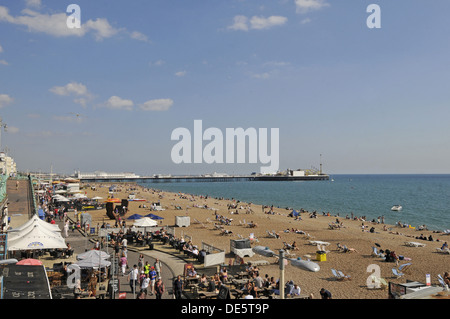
[145, 222]
[135, 216]
[153, 216]
[97, 198]
[30, 262]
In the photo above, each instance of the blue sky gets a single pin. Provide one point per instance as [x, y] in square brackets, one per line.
[368, 100]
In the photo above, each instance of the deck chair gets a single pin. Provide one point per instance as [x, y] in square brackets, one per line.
[344, 276]
[322, 248]
[384, 284]
[397, 273]
[442, 283]
[380, 283]
[403, 268]
[240, 236]
[349, 250]
[336, 275]
[376, 253]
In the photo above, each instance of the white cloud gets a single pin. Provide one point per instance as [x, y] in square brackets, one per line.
[68, 118]
[303, 6]
[33, 3]
[262, 76]
[305, 21]
[74, 89]
[260, 23]
[242, 23]
[55, 24]
[276, 63]
[139, 36]
[181, 73]
[117, 103]
[13, 129]
[70, 88]
[5, 99]
[1, 49]
[157, 63]
[157, 105]
[3, 62]
[101, 28]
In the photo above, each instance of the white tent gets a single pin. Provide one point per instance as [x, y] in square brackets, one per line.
[35, 220]
[93, 262]
[92, 254]
[36, 237]
[79, 195]
[145, 222]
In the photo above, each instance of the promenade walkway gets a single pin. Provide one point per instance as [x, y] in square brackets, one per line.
[20, 212]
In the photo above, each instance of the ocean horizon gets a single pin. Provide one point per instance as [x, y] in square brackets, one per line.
[425, 198]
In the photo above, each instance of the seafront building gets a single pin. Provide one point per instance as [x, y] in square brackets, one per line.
[7, 165]
[105, 175]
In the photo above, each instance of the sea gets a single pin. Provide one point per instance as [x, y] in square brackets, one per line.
[425, 198]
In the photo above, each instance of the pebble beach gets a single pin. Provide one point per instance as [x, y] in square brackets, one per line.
[358, 263]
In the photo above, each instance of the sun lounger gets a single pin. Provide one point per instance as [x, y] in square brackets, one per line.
[318, 242]
[444, 251]
[414, 244]
[288, 253]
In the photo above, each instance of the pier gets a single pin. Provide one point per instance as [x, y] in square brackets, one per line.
[200, 178]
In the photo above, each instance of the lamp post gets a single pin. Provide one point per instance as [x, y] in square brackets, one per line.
[5, 127]
[266, 252]
[297, 263]
[281, 264]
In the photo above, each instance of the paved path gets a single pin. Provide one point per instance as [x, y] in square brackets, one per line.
[19, 211]
[18, 207]
[172, 266]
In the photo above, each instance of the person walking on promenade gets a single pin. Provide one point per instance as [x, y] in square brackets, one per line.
[133, 278]
[144, 285]
[153, 278]
[159, 289]
[158, 267]
[124, 264]
[141, 262]
[66, 229]
[178, 287]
